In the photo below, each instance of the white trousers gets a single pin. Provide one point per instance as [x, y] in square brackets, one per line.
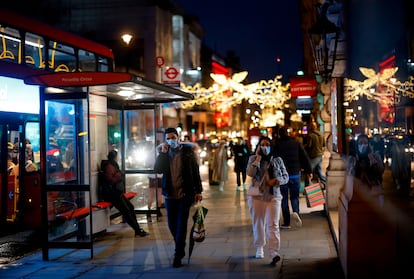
[265, 221]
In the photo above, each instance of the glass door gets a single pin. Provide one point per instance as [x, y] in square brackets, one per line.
[19, 172]
[67, 217]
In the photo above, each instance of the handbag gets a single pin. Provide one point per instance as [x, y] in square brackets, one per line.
[314, 195]
[254, 188]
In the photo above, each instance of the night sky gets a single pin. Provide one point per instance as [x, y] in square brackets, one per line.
[258, 32]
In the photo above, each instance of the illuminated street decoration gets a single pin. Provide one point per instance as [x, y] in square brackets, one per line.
[269, 93]
[381, 87]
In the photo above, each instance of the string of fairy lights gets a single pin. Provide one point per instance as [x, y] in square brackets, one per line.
[382, 87]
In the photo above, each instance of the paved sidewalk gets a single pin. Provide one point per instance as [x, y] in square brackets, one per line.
[227, 252]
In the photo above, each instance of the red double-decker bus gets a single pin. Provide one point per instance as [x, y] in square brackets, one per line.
[40, 47]
[30, 49]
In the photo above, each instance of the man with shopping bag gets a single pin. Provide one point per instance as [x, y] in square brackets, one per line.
[181, 186]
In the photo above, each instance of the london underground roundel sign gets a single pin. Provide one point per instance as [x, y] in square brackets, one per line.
[171, 76]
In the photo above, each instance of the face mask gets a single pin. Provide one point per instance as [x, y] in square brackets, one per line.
[362, 148]
[265, 149]
[173, 143]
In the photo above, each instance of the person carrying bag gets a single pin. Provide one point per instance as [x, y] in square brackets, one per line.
[267, 173]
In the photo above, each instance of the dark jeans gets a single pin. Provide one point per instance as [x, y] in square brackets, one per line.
[178, 211]
[126, 208]
[242, 175]
[290, 191]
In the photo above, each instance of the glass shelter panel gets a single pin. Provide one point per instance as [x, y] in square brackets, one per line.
[61, 146]
[114, 129]
[67, 171]
[139, 139]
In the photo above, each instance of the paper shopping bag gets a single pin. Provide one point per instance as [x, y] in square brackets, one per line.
[314, 195]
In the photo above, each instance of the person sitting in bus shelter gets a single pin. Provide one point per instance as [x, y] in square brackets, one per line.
[112, 185]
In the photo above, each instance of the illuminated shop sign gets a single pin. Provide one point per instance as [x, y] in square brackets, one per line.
[303, 87]
[15, 96]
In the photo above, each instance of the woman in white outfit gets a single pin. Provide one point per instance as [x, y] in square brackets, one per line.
[267, 174]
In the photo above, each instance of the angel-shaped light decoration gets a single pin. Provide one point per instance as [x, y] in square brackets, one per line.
[231, 91]
[381, 87]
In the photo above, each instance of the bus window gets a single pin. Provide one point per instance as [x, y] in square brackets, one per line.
[35, 51]
[61, 57]
[10, 43]
[87, 61]
[103, 65]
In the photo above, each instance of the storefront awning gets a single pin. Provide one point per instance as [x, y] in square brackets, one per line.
[122, 89]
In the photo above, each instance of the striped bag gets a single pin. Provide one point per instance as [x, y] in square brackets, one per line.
[314, 195]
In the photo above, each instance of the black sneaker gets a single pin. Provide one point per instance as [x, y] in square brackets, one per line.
[177, 263]
[275, 260]
[141, 233]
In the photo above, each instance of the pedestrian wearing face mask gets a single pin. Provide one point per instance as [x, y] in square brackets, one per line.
[181, 186]
[268, 173]
[296, 159]
[366, 164]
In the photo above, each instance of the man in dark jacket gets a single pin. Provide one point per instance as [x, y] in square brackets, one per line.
[296, 159]
[181, 186]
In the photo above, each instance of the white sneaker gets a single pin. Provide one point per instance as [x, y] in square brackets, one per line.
[297, 219]
[259, 253]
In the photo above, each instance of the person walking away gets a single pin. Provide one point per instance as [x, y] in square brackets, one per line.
[112, 185]
[269, 173]
[314, 145]
[296, 159]
[366, 165]
[241, 157]
[219, 165]
[181, 186]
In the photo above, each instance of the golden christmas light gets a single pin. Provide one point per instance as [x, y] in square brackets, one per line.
[380, 87]
[269, 93]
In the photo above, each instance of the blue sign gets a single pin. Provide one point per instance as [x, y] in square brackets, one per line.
[304, 103]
